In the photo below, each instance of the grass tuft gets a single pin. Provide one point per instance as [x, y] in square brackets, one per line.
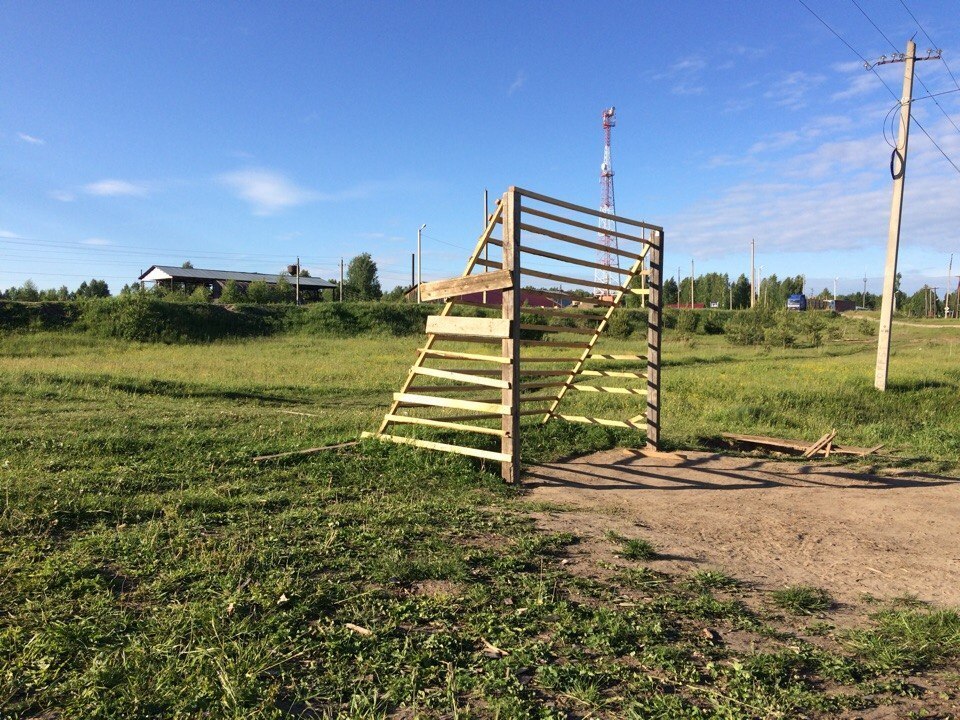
[802, 599]
[633, 548]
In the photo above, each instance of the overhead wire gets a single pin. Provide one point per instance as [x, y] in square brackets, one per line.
[910, 13]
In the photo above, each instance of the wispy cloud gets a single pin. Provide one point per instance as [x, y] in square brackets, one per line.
[7, 234]
[116, 188]
[99, 242]
[31, 139]
[517, 83]
[269, 192]
[790, 91]
[63, 195]
[685, 74]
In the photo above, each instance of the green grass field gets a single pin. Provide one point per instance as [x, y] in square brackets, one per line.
[149, 569]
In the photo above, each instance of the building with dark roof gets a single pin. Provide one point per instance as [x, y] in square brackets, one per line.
[214, 280]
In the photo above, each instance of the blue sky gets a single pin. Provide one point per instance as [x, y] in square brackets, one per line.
[240, 135]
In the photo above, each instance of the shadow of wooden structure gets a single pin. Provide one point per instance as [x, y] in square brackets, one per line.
[484, 367]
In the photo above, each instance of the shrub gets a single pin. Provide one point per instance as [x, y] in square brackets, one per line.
[621, 324]
[687, 322]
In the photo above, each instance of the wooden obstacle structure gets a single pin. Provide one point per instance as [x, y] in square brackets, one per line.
[532, 374]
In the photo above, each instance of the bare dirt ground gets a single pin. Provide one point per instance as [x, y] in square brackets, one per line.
[771, 524]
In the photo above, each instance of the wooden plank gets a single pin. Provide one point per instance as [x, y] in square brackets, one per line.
[443, 447]
[475, 327]
[557, 329]
[572, 240]
[568, 259]
[819, 444]
[510, 345]
[612, 373]
[459, 377]
[310, 451]
[478, 248]
[444, 424]
[418, 400]
[465, 285]
[612, 390]
[654, 338]
[583, 209]
[552, 343]
[584, 300]
[451, 355]
[600, 356]
[489, 416]
[602, 421]
[558, 278]
[582, 225]
[547, 360]
[784, 444]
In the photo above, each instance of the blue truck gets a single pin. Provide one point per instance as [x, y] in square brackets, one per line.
[797, 301]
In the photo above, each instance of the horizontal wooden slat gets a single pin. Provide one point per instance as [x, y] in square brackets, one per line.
[444, 424]
[443, 447]
[548, 360]
[557, 329]
[603, 421]
[613, 390]
[570, 239]
[583, 225]
[553, 343]
[477, 388]
[557, 278]
[481, 416]
[564, 313]
[638, 291]
[461, 377]
[451, 355]
[475, 327]
[413, 399]
[612, 373]
[582, 209]
[568, 259]
[466, 285]
[600, 356]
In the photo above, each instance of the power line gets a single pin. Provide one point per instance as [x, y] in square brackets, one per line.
[909, 12]
[919, 79]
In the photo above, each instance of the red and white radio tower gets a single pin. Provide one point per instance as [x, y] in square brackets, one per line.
[607, 205]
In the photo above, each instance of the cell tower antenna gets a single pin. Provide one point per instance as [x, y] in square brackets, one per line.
[607, 205]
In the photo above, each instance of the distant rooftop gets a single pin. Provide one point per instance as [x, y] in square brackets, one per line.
[180, 274]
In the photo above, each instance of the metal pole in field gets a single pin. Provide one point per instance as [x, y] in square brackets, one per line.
[419, 262]
[341, 279]
[753, 273]
[298, 280]
[896, 212]
[946, 289]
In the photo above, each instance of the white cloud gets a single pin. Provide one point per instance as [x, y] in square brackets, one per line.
[115, 188]
[63, 195]
[7, 234]
[95, 241]
[269, 192]
[517, 83]
[31, 139]
[790, 91]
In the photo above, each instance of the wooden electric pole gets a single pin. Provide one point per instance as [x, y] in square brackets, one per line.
[753, 273]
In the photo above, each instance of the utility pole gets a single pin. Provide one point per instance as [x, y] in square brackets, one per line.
[863, 298]
[483, 228]
[835, 294]
[341, 279]
[933, 301]
[753, 273]
[899, 171]
[691, 283]
[419, 262]
[298, 280]
[946, 289]
[413, 270]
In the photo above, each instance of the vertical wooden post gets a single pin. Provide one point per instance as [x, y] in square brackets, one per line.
[654, 325]
[893, 233]
[510, 347]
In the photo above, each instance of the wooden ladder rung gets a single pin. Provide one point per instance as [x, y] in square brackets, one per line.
[444, 447]
[444, 424]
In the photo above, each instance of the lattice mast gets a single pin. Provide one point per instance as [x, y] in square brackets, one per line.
[607, 205]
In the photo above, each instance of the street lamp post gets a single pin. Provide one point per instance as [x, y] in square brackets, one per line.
[419, 262]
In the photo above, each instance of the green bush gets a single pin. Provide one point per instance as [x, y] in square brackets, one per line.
[687, 322]
[37, 316]
[621, 324]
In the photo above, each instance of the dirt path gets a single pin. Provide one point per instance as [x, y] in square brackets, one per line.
[772, 524]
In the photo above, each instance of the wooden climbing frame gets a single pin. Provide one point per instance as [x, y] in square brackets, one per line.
[540, 239]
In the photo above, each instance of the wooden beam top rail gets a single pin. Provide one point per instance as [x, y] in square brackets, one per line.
[551, 343]
[482, 416]
[601, 356]
[613, 373]
[583, 209]
[584, 226]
